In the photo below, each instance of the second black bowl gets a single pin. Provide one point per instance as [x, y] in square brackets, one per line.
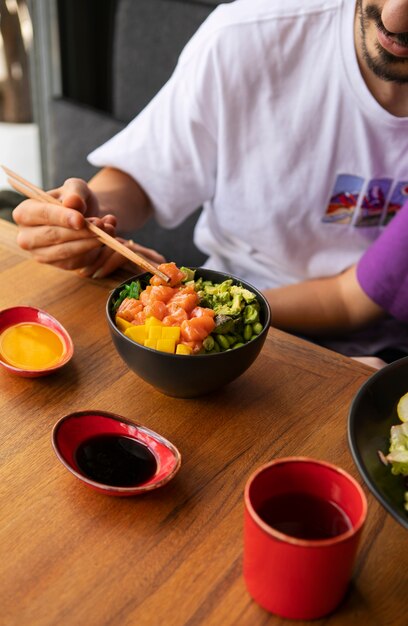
[372, 413]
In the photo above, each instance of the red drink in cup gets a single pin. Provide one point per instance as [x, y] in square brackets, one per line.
[303, 521]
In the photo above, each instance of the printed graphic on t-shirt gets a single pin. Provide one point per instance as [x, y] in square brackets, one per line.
[344, 199]
[398, 197]
[373, 202]
[365, 203]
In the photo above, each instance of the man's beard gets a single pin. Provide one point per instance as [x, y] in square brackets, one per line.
[384, 65]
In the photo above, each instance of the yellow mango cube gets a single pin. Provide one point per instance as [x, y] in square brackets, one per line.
[166, 345]
[136, 333]
[150, 343]
[122, 324]
[154, 332]
[153, 321]
[171, 332]
[183, 349]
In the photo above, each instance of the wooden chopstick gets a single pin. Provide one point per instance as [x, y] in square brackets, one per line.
[36, 193]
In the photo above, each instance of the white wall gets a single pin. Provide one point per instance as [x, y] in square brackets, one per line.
[20, 151]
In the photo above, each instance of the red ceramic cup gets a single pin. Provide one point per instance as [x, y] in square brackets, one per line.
[300, 568]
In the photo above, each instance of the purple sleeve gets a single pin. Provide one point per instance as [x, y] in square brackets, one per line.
[383, 270]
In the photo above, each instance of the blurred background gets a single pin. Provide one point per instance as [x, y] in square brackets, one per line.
[19, 135]
[75, 72]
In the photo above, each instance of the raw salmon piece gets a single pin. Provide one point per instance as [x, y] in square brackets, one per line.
[194, 345]
[145, 295]
[197, 328]
[175, 318]
[199, 311]
[156, 309]
[185, 298]
[128, 308]
[161, 293]
[172, 271]
[139, 318]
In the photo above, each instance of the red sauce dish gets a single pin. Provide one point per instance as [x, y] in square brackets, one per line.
[32, 342]
[114, 455]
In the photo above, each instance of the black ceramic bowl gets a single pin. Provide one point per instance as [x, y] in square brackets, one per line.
[372, 413]
[189, 376]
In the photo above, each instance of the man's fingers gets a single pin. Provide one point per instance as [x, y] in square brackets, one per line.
[107, 262]
[108, 228]
[33, 213]
[109, 219]
[31, 238]
[58, 252]
[77, 262]
[74, 188]
[107, 225]
[76, 194]
[74, 201]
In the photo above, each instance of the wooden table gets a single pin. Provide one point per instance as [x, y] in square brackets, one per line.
[71, 556]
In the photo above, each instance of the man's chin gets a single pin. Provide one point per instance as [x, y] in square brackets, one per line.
[388, 68]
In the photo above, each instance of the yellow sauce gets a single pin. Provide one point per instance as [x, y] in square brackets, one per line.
[31, 346]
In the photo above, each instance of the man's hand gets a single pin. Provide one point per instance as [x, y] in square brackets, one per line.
[109, 260]
[58, 235]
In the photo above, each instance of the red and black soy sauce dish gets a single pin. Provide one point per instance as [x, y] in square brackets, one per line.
[113, 455]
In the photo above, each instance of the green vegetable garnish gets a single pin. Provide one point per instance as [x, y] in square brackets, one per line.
[251, 313]
[189, 274]
[225, 298]
[129, 291]
[398, 453]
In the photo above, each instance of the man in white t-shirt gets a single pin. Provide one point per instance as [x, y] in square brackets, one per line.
[286, 120]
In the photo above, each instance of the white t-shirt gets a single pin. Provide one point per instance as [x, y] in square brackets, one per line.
[268, 123]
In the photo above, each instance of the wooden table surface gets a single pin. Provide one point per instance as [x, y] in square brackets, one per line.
[71, 556]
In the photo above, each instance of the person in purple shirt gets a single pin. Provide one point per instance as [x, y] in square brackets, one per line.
[373, 290]
[382, 272]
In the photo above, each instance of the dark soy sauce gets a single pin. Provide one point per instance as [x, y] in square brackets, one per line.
[116, 460]
[304, 516]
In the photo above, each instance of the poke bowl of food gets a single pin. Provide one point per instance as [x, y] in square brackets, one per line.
[192, 335]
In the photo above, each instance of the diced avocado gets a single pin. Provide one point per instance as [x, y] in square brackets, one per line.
[189, 274]
[247, 295]
[225, 298]
[233, 306]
